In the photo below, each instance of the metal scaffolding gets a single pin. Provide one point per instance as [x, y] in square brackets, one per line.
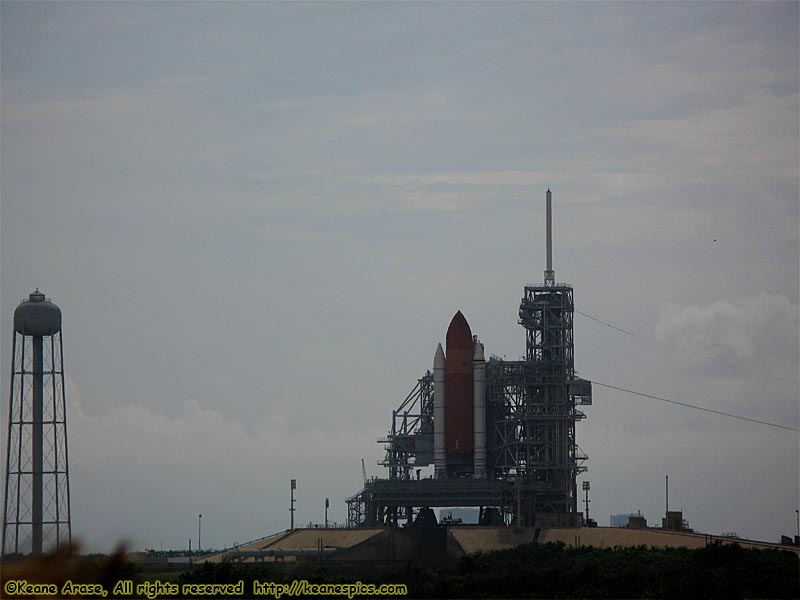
[542, 421]
[409, 443]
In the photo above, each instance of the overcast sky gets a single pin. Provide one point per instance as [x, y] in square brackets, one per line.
[259, 218]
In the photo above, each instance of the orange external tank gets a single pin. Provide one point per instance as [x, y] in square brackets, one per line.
[459, 387]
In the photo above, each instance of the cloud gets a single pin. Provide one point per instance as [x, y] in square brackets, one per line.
[155, 473]
[760, 331]
[758, 334]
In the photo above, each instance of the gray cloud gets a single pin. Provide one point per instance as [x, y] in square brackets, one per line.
[737, 332]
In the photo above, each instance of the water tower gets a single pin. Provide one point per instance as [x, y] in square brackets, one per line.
[36, 514]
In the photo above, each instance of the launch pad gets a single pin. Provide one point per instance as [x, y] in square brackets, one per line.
[499, 434]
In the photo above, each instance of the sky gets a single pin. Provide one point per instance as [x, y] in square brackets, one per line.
[259, 218]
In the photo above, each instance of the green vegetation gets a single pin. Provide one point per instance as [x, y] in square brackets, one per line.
[556, 571]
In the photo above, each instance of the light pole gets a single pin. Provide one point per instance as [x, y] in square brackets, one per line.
[798, 525]
[327, 504]
[291, 504]
[199, 532]
[586, 500]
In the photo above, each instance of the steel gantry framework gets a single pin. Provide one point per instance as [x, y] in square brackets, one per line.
[543, 420]
[409, 443]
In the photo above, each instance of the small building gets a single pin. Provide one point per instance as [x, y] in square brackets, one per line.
[633, 520]
[637, 522]
[674, 521]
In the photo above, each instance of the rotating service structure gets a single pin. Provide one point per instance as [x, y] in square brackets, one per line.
[36, 515]
[499, 434]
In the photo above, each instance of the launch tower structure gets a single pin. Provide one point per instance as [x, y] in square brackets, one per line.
[539, 432]
[506, 443]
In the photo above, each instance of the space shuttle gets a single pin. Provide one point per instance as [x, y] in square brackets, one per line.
[459, 404]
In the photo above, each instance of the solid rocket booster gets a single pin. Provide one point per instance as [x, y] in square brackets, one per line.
[439, 451]
[459, 387]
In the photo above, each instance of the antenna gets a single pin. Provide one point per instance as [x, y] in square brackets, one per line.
[549, 274]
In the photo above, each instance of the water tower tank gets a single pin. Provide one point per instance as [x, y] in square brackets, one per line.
[37, 316]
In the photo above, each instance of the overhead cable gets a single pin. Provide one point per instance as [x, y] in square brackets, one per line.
[677, 349]
[686, 404]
